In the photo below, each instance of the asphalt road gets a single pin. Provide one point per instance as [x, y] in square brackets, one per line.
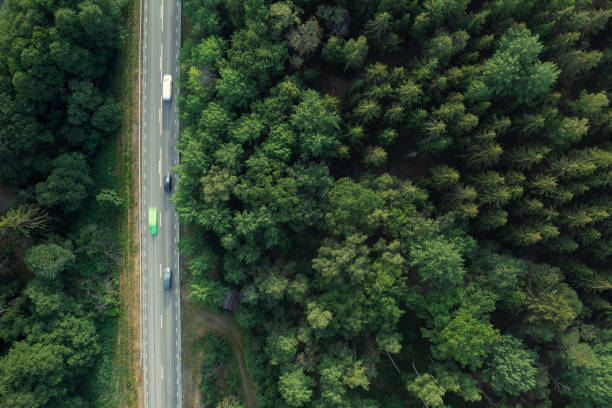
[161, 308]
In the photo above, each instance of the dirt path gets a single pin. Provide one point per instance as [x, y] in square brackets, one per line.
[195, 323]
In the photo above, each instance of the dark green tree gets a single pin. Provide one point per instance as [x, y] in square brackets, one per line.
[67, 185]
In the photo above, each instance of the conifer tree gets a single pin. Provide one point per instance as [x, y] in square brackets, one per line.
[367, 111]
[524, 157]
[443, 177]
[485, 153]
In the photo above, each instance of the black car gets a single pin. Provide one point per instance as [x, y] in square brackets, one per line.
[168, 183]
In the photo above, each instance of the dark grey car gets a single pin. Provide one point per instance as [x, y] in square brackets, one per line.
[168, 183]
[167, 278]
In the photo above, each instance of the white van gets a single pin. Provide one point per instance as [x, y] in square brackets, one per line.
[167, 88]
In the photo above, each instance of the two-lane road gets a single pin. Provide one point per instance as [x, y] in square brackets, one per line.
[161, 308]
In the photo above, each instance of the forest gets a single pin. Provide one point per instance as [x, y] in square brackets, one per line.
[58, 252]
[413, 197]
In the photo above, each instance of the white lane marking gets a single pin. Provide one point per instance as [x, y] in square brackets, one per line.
[160, 62]
[162, 367]
[161, 321]
[160, 270]
[160, 218]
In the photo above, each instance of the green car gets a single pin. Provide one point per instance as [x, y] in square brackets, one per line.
[153, 220]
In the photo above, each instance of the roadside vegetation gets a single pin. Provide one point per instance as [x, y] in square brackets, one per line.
[412, 196]
[61, 241]
[218, 371]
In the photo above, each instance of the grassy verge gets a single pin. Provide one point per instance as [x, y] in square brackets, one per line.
[121, 372]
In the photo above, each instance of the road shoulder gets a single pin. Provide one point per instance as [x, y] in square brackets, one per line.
[126, 360]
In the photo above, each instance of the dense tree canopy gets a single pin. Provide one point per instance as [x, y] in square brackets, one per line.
[53, 66]
[412, 196]
[58, 300]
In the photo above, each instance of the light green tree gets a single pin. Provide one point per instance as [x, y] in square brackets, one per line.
[511, 368]
[374, 156]
[437, 260]
[465, 335]
[514, 71]
[295, 387]
[355, 52]
[48, 260]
